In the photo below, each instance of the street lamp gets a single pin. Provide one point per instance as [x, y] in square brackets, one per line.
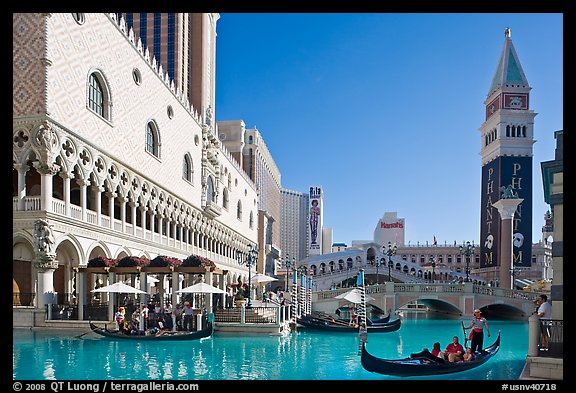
[389, 252]
[467, 249]
[251, 259]
[433, 263]
[378, 263]
[288, 266]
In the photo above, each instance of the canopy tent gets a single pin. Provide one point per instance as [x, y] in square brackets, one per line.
[118, 287]
[262, 278]
[354, 296]
[201, 287]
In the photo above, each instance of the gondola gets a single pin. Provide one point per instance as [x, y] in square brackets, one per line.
[336, 325]
[162, 336]
[424, 363]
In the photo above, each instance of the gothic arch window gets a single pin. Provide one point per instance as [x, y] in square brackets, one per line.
[250, 139]
[152, 139]
[251, 222]
[495, 134]
[513, 131]
[239, 210]
[187, 168]
[508, 131]
[98, 99]
[524, 131]
[210, 190]
[225, 198]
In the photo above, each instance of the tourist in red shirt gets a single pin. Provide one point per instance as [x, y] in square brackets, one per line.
[454, 350]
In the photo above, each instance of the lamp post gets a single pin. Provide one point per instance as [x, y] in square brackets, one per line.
[251, 259]
[467, 250]
[513, 276]
[389, 252]
[378, 263]
[433, 263]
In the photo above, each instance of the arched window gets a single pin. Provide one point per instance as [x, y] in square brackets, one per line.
[225, 198]
[187, 168]
[210, 190]
[250, 139]
[95, 95]
[514, 131]
[239, 210]
[98, 95]
[524, 131]
[152, 139]
[251, 222]
[508, 131]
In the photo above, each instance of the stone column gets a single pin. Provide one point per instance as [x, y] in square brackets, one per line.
[143, 216]
[45, 265]
[46, 173]
[506, 208]
[45, 262]
[98, 191]
[83, 185]
[21, 169]
[133, 212]
[175, 287]
[81, 293]
[111, 196]
[111, 297]
[66, 178]
[123, 213]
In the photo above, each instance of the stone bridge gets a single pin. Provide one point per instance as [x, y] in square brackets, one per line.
[453, 299]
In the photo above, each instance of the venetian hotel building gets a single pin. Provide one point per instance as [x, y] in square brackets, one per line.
[112, 158]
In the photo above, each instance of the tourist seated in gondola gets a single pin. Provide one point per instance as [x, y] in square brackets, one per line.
[454, 350]
[437, 351]
[468, 355]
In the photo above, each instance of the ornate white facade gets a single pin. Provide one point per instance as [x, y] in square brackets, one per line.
[141, 172]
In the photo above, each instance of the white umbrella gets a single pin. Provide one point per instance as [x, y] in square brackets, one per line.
[354, 296]
[118, 287]
[201, 287]
[262, 278]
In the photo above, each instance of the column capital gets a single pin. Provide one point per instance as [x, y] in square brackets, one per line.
[46, 262]
[507, 207]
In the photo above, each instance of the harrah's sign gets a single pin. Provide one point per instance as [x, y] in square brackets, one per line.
[397, 224]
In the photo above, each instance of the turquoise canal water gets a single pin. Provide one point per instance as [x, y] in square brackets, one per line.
[301, 355]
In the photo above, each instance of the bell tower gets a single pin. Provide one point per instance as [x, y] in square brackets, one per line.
[507, 136]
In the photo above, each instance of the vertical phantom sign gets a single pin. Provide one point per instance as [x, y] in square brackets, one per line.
[503, 172]
[315, 221]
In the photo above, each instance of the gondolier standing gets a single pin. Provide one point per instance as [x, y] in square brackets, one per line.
[478, 324]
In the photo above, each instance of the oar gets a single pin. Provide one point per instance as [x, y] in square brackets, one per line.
[83, 334]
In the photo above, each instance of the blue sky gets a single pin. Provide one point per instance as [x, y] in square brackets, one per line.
[384, 110]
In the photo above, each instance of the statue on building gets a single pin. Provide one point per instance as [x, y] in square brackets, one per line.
[508, 192]
[209, 115]
[44, 237]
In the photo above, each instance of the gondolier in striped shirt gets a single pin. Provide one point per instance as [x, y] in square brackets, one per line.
[477, 334]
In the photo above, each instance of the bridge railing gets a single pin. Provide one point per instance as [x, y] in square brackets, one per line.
[437, 288]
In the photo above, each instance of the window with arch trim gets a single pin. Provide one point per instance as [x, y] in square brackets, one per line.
[225, 198]
[187, 168]
[251, 222]
[239, 210]
[152, 139]
[209, 190]
[98, 99]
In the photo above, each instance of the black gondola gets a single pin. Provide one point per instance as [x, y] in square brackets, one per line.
[424, 363]
[335, 325]
[162, 336]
